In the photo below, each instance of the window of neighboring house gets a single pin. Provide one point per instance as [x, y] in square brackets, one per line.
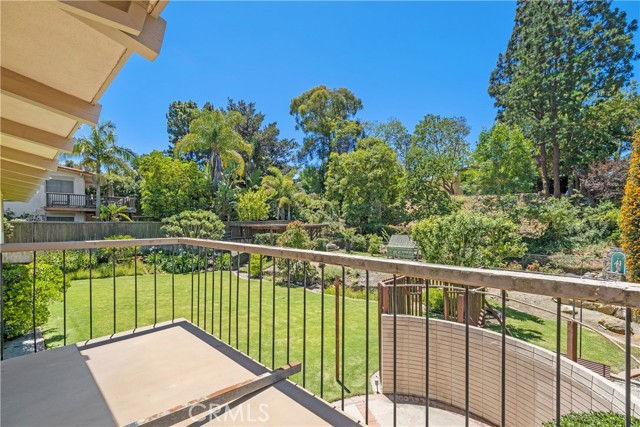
[59, 186]
[60, 218]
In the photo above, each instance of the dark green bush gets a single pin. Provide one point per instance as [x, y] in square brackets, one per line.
[74, 260]
[267, 239]
[602, 223]
[122, 254]
[593, 419]
[320, 244]
[18, 289]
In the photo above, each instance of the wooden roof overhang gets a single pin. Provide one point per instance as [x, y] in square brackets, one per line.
[57, 58]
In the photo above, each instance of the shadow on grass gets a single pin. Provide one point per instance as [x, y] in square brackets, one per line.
[519, 332]
[56, 340]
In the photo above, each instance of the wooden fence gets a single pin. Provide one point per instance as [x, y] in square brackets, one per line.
[52, 231]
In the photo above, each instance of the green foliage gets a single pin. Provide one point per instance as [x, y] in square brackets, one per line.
[268, 239]
[375, 242]
[502, 161]
[195, 224]
[213, 131]
[593, 419]
[268, 148]
[18, 295]
[557, 222]
[282, 191]
[563, 60]
[179, 117]
[601, 223]
[320, 244]
[436, 300]
[254, 265]
[366, 183]
[122, 254]
[170, 186]
[469, 239]
[295, 236]
[319, 113]
[394, 134]
[74, 260]
[7, 228]
[252, 205]
[630, 214]
[113, 212]
[311, 180]
[318, 210]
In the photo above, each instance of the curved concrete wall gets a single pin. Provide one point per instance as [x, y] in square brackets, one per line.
[530, 390]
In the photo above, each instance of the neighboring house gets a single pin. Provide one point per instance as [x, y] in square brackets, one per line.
[62, 198]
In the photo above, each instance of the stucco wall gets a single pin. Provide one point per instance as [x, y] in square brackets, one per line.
[530, 392]
[37, 203]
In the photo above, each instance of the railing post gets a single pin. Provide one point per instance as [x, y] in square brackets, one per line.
[572, 340]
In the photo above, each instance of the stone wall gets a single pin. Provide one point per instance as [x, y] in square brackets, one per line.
[530, 391]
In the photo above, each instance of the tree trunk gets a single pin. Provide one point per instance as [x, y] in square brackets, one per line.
[556, 166]
[98, 201]
[544, 173]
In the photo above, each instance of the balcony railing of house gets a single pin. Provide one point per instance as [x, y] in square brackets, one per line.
[485, 374]
[83, 201]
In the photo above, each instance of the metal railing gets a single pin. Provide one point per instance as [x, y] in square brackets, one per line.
[227, 294]
[83, 201]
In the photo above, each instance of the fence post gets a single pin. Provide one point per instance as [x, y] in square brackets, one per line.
[572, 340]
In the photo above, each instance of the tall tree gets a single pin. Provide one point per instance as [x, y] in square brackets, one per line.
[630, 213]
[326, 116]
[99, 153]
[502, 161]
[268, 148]
[394, 134]
[563, 58]
[179, 117]
[283, 191]
[366, 182]
[214, 132]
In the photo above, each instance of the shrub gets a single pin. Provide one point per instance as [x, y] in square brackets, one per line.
[593, 419]
[252, 205]
[122, 254]
[74, 260]
[320, 244]
[18, 288]
[469, 239]
[297, 237]
[359, 243]
[630, 213]
[254, 265]
[375, 242]
[268, 239]
[196, 224]
[436, 300]
[558, 222]
[602, 223]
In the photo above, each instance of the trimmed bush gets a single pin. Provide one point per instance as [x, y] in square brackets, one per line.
[321, 244]
[375, 242]
[593, 419]
[196, 224]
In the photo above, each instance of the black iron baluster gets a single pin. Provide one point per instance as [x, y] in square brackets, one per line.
[237, 299]
[248, 304]
[273, 318]
[192, 284]
[558, 355]
[627, 363]
[230, 293]
[321, 329]
[466, 356]
[155, 287]
[366, 351]
[90, 295]
[33, 304]
[288, 307]
[260, 316]
[213, 291]
[304, 326]
[135, 288]
[395, 351]
[204, 299]
[173, 283]
[113, 265]
[198, 293]
[503, 374]
[221, 261]
[64, 295]
[344, 291]
[426, 355]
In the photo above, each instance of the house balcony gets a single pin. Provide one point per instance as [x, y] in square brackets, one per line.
[200, 328]
[84, 203]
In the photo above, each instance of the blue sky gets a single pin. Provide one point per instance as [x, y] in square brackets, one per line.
[402, 59]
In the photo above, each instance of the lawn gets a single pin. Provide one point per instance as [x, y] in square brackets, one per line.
[542, 332]
[78, 321]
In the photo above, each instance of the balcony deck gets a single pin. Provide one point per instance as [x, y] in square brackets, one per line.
[122, 379]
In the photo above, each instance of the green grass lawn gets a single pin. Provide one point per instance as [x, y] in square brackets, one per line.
[542, 332]
[78, 321]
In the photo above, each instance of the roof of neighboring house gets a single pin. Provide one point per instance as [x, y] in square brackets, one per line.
[58, 59]
[401, 241]
[73, 170]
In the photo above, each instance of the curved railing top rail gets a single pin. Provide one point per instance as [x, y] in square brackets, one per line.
[617, 293]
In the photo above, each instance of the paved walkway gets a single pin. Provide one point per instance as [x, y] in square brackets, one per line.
[409, 413]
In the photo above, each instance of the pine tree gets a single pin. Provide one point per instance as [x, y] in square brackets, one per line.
[630, 214]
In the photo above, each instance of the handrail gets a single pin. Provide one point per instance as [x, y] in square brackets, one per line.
[608, 292]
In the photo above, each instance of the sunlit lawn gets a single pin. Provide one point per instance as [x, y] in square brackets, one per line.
[103, 314]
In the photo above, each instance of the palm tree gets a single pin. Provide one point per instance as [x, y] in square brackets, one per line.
[113, 212]
[99, 152]
[214, 132]
[283, 190]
